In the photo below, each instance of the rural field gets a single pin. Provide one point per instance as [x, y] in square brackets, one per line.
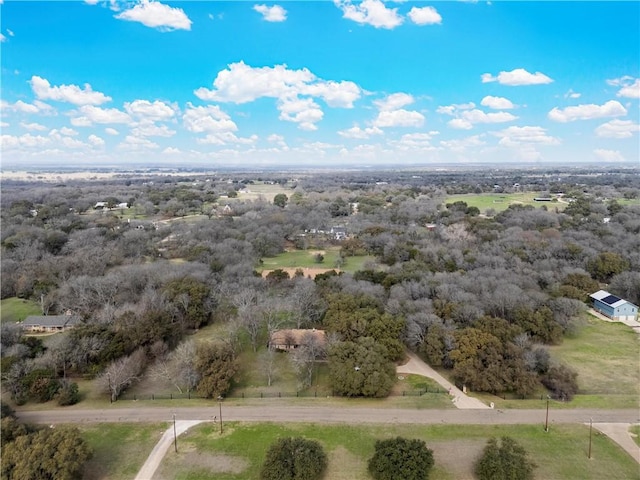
[238, 453]
[502, 201]
[16, 309]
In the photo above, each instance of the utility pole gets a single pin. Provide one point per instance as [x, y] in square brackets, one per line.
[590, 432]
[220, 405]
[546, 422]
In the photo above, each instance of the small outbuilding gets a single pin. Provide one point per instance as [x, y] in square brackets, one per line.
[613, 307]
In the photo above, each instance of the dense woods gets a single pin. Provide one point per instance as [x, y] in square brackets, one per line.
[478, 293]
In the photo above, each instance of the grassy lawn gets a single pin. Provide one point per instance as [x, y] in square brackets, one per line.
[501, 201]
[635, 433]
[16, 309]
[605, 355]
[119, 449]
[237, 454]
[305, 259]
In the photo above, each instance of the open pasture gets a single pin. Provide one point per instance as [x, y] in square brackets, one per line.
[501, 201]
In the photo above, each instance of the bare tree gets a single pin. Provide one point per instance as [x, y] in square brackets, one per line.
[268, 366]
[178, 368]
[304, 358]
[121, 373]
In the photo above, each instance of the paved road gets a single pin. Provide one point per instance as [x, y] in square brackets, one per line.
[619, 433]
[268, 411]
[416, 366]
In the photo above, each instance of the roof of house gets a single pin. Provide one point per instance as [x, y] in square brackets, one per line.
[50, 321]
[609, 299]
[295, 336]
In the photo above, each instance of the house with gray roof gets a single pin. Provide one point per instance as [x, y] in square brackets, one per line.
[50, 323]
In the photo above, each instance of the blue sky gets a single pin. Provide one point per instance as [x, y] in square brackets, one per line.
[329, 83]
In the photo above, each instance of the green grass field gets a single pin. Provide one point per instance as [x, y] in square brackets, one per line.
[635, 433]
[119, 449]
[305, 259]
[605, 355]
[501, 201]
[237, 454]
[17, 309]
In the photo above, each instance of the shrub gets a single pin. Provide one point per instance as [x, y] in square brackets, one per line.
[68, 394]
[401, 459]
[561, 381]
[294, 458]
[505, 461]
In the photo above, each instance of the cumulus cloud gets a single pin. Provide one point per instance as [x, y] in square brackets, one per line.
[467, 115]
[68, 131]
[370, 12]
[96, 141]
[425, 16]
[461, 144]
[399, 118]
[152, 111]
[111, 131]
[294, 90]
[612, 108]
[171, 151]
[415, 141]
[154, 14]
[617, 129]
[303, 111]
[572, 94]
[32, 126]
[209, 119]
[629, 87]
[274, 13]
[517, 77]
[394, 101]
[609, 155]
[497, 103]
[517, 136]
[27, 140]
[133, 143]
[360, 133]
[36, 107]
[152, 130]
[67, 93]
[88, 115]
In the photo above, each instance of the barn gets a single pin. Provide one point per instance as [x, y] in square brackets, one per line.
[613, 307]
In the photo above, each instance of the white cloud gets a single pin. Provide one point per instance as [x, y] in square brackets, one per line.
[617, 129]
[455, 108]
[360, 133]
[157, 15]
[90, 115]
[95, 141]
[27, 140]
[207, 119]
[3, 38]
[425, 16]
[91, 2]
[152, 111]
[572, 94]
[271, 14]
[171, 151]
[394, 101]
[36, 107]
[517, 77]
[370, 12]
[67, 93]
[4, 125]
[134, 143]
[415, 141]
[225, 138]
[460, 145]
[32, 126]
[335, 94]
[10, 33]
[612, 108]
[152, 130]
[241, 83]
[609, 155]
[630, 87]
[399, 118]
[497, 103]
[517, 136]
[68, 131]
[460, 124]
[303, 111]
[111, 131]
[478, 116]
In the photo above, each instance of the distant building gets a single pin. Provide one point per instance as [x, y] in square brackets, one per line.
[613, 307]
[50, 323]
[291, 339]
